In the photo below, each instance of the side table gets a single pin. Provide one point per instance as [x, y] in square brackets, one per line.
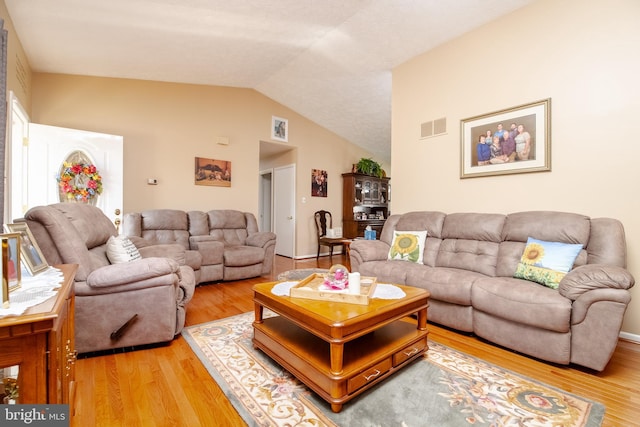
[41, 343]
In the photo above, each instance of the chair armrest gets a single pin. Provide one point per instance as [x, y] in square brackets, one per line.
[139, 242]
[594, 276]
[167, 250]
[260, 239]
[139, 274]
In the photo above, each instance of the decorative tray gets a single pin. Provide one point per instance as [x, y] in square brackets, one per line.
[311, 288]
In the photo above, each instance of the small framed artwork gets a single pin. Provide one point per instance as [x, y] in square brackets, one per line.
[30, 253]
[11, 260]
[212, 172]
[319, 183]
[514, 140]
[279, 129]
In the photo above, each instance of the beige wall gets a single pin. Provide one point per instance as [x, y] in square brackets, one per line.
[18, 69]
[582, 55]
[166, 125]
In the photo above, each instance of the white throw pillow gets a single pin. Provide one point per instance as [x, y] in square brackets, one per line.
[408, 245]
[120, 249]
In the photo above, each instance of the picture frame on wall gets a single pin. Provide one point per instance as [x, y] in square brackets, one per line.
[31, 255]
[11, 271]
[279, 129]
[319, 183]
[212, 172]
[509, 141]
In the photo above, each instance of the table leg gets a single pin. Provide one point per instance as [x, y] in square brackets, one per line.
[336, 352]
[336, 407]
[422, 320]
[259, 310]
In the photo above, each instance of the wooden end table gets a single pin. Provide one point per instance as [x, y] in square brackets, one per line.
[339, 349]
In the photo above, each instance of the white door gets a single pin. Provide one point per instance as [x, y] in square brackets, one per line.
[36, 160]
[284, 191]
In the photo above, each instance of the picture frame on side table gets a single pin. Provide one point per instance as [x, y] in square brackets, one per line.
[524, 132]
[279, 129]
[11, 272]
[32, 257]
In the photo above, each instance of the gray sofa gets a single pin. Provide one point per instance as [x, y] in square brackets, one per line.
[469, 264]
[220, 244]
[155, 289]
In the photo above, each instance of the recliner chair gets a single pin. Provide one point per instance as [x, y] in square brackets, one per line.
[116, 305]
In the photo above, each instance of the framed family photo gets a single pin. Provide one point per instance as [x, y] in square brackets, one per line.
[514, 140]
[31, 254]
[279, 129]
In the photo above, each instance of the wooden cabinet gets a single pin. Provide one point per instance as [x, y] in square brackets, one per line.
[41, 343]
[365, 202]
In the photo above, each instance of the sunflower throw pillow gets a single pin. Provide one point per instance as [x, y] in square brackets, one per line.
[546, 262]
[408, 245]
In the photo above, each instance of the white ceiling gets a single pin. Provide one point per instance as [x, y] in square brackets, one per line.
[329, 60]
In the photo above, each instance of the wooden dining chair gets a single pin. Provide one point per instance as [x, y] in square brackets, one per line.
[324, 221]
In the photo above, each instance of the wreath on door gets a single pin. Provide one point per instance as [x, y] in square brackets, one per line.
[80, 181]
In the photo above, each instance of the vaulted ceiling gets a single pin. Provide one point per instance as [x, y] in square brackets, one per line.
[329, 60]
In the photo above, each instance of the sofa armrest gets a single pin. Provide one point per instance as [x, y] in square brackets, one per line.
[594, 276]
[139, 274]
[370, 250]
[212, 251]
[167, 250]
[260, 239]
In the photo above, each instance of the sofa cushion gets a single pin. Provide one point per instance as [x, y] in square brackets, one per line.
[523, 302]
[546, 262]
[120, 249]
[407, 246]
[450, 285]
[240, 256]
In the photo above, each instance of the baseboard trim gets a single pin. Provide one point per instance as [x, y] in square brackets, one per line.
[630, 337]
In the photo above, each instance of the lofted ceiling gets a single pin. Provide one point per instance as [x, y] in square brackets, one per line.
[328, 60]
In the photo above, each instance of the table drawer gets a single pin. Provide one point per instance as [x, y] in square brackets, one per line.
[409, 351]
[368, 376]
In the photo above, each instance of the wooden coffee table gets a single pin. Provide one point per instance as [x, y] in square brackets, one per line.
[339, 349]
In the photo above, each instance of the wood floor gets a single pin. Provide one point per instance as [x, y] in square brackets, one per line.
[168, 386]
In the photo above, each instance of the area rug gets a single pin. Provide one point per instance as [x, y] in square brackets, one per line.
[445, 388]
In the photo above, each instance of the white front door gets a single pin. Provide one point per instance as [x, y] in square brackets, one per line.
[284, 191]
[36, 160]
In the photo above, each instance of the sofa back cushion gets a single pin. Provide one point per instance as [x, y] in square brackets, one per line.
[550, 226]
[471, 241]
[431, 221]
[165, 226]
[228, 226]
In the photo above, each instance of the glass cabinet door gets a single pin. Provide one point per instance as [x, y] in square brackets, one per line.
[366, 192]
[375, 192]
[359, 192]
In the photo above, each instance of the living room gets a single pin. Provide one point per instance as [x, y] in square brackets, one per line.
[582, 55]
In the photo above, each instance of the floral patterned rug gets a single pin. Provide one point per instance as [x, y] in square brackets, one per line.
[445, 388]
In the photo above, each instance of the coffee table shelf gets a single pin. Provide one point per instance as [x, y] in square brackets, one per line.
[335, 349]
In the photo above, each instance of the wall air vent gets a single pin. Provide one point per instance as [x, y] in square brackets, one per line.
[426, 130]
[433, 128]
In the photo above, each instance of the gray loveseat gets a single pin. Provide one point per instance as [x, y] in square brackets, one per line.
[469, 264]
[220, 244]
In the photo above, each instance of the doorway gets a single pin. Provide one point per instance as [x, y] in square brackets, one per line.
[37, 154]
[266, 201]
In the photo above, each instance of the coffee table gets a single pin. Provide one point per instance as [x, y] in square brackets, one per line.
[340, 349]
